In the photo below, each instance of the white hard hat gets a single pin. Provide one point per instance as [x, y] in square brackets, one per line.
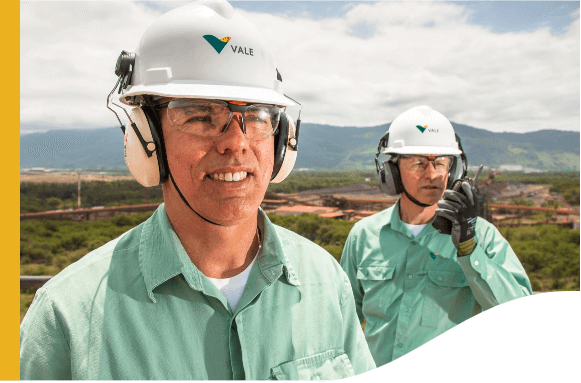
[422, 130]
[205, 50]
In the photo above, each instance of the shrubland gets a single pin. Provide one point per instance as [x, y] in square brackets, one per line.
[549, 253]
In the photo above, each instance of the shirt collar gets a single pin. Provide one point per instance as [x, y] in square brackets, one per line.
[273, 256]
[162, 256]
[394, 220]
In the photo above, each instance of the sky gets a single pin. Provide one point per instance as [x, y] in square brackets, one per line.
[500, 66]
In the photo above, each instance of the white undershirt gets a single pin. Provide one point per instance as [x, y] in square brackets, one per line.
[415, 229]
[232, 288]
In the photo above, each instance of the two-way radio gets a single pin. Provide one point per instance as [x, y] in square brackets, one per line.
[444, 225]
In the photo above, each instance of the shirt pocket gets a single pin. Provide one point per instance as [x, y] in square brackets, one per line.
[447, 299]
[329, 365]
[379, 290]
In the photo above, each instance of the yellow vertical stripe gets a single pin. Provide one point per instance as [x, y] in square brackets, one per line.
[10, 278]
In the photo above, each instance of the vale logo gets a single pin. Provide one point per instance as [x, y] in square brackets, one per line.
[433, 255]
[216, 43]
[423, 129]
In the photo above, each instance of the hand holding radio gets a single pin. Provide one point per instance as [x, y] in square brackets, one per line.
[459, 207]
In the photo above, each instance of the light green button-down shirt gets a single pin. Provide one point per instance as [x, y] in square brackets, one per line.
[410, 290]
[138, 308]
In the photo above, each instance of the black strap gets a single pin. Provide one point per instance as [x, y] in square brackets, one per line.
[184, 199]
[414, 200]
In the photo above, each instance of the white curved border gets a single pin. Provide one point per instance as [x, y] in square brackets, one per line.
[531, 339]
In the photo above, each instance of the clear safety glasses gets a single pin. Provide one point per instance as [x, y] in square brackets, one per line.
[415, 163]
[212, 118]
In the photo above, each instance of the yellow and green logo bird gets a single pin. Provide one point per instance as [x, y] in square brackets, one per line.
[216, 43]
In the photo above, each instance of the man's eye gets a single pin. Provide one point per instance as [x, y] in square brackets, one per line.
[257, 117]
[200, 118]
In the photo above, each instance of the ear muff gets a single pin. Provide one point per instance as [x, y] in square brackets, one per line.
[452, 174]
[147, 170]
[280, 145]
[144, 169]
[285, 149]
[389, 178]
[459, 166]
[154, 123]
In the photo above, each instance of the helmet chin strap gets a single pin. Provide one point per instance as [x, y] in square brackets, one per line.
[413, 199]
[184, 199]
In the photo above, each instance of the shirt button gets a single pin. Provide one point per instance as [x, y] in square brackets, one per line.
[476, 263]
[399, 345]
[406, 310]
[440, 278]
[410, 276]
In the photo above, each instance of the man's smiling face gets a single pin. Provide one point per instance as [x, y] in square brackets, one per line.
[223, 178]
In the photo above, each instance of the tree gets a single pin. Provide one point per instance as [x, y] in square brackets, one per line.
[54, 203]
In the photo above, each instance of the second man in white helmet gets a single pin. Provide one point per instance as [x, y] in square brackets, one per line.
[411, 282]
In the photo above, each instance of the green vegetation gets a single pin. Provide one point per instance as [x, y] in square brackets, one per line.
[549, 253]
[299, 181]
[48, 246]
[36, 197]
[328, 233]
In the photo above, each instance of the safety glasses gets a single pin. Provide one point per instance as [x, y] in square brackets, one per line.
[416, 163]
[212, 118]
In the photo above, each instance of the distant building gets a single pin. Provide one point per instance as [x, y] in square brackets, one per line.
[300, 209]
[511, 168]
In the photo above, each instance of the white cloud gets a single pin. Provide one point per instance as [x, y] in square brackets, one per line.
[359, 70]
[68, 52]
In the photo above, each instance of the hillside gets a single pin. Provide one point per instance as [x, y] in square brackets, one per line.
[330, 147]
[320, 147]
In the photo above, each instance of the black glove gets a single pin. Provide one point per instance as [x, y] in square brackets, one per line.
[461, 208]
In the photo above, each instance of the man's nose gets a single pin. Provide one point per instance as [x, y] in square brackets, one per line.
[233, 138]
[430, 171]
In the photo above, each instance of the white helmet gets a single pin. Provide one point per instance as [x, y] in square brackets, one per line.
[422, 130]
[419, 130]
[205, 50]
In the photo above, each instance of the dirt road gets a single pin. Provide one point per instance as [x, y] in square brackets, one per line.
[71, 177]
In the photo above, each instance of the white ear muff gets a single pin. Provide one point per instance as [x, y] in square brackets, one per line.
[290, 156]
[144, 169]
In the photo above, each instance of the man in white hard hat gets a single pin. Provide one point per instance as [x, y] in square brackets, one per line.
[208, 287]
[411, 282]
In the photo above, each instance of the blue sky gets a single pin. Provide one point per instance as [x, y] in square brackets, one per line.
[500, 16]
[501, 66]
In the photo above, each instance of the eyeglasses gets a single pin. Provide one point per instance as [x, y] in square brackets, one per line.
[415, 163]
[212, 118]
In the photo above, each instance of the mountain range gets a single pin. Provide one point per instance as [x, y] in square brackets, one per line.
[320, 147]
